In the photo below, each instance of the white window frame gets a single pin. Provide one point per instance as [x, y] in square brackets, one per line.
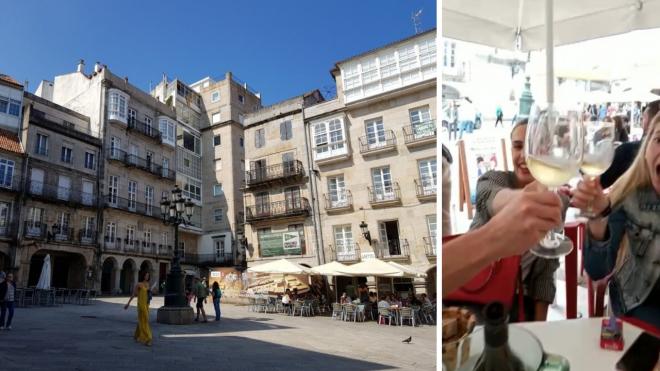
[167, 130]
[63, 192]
[42, 144]
[329, 138]
[217, 190]
[65, 152]
[428, 175]
[383, 186]
[132, 195]
[130, 235]
[260, 137]
[90, 160]
[189, 192]
[118, 105]
[7, 168]
[215, 96]
[5, 216]
[149, 199]
[337, 192]
[216, 117]
[111, 232]
[113, 189]
[344, 242]
[218, 215]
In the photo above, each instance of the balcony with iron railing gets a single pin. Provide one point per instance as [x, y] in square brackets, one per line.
[426, 189]
[57, 234]
[134, 246]
[430, 246]
[346, 252]
[143, 164]
[392, 249]
[283, 173]
[54, 193]
[61, 234]
[421, 133]
[219, 259]
[8, 230]
[330, 153]
[87, 236]
[338, 202]
[132, 206]
[35, 230]
[378, 143]
[384, 196]
[296, 208]
[147, 130]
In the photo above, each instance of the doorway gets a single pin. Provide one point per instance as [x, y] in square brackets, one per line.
[389, 235]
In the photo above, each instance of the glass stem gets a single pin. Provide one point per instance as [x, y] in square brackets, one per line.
[590, 204]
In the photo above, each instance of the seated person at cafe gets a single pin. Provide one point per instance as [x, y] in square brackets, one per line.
[415, 301]
[383, 303]
[286, 299]
[363, 293]
[295, 295]
[623, 242]
[345, 299]
[426, 300]
[495, 190]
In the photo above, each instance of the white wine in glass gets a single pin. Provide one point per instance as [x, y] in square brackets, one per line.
[553, 152]
[597, 152]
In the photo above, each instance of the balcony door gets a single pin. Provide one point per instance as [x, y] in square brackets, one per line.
[87, 192]
[428, 175]
[344, 243]
[219, 249]
[63, 187]
[432, 224]
[375, 133]
[132, 195]
[36, 181]
[113, 190]
[288, 164]
[390, 238]
[382, 182]
[35, 216]
[115, 148]
[61, 229]
[337, 191]
[258, 172]
[5, 213]
[292, 199]
[420, 119]
[134, 151]
[88, 229]
[262, 204]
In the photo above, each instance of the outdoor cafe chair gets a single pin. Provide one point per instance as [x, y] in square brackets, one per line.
[337, 311]
[261, 305]
[385, 314]
[252, 304]
[407, 314]
[350, 312]
[60, 295]
[308, 306]
[92, 296]
[28, 297]
[361, 312]
[20, 293]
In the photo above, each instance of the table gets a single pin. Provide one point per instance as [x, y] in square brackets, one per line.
[579, 341]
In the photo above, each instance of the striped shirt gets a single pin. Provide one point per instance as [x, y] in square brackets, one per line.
[537, 273]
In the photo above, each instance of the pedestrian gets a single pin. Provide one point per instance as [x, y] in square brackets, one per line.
[141, 290]
[217, 294]
[201, 292]
[466, 117]
[7, 293]
[499, 116]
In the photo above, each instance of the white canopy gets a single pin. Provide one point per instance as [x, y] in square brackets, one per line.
[280, 266]
[330, 269]
[409, 270]
[375, 267]
[44, 279]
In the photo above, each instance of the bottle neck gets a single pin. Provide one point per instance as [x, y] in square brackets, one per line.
[496, 335]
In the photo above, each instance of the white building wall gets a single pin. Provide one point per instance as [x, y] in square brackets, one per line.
[6, 120]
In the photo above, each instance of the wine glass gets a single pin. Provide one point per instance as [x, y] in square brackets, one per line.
[597, 153]
[553, 153]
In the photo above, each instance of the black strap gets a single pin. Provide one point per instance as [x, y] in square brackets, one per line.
[446, 154]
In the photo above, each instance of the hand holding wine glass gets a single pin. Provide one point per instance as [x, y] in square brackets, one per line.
[597, 153]
[589, 194]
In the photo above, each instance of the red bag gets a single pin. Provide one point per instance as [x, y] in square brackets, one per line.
[496, 282]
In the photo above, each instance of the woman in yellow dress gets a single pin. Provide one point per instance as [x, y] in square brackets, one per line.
[141, 290]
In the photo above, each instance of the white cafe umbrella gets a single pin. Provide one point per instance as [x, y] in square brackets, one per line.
[521, 24]
[409, 270]
[376, 268]
[44, 279]
[282, 266]
[333, 268]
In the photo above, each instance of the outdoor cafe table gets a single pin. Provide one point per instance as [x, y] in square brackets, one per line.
[578, 340]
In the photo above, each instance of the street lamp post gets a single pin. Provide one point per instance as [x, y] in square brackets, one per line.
[176, 309]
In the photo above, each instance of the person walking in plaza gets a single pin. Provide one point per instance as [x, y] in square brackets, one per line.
[499, 116]
[141, 291]
[7, 294]
[201, 292]
[466, 116]
[217, 294]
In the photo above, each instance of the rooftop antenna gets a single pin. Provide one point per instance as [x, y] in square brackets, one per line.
[416, 21]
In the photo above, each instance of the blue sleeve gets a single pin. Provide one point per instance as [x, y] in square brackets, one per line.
[600, 256]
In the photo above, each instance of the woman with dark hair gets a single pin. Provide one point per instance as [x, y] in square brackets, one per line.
[141, 290]
[620, 131]
[217, 294]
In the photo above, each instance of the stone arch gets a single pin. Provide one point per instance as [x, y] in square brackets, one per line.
[431, 280]
[148, 265]
[109, 272]
[68, 269]
[128, 276]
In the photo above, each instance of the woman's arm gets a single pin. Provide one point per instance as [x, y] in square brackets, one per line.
[133, 294]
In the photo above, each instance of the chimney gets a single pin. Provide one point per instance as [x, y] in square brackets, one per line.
[164, 78]
[81, 66]
[228, 76]
[97, 67]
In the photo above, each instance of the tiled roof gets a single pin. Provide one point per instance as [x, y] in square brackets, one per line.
[8, 80]
[9, 142]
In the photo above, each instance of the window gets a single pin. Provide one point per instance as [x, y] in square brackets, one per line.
[149, 199]
[216, 140]
[215, 96]
[215, 118]
[4, 104]
[192, 143]
[375, 133]
[186, 162]
[167, 130]
[260, 138]
[164, 238]
[241, 118]
[63, 187]
[382, 182]
[166, 167]
[301, 232]
[428, 175]
[88, 223]
[90, 160]
[115, 147]
[132, 116]
[110, 232]
[14, 107]
[147, 122]
[36, 181]
[130, 234]
[6, 173]
[241, 98]
[407, 58]
[42, 145]
[219, 246]
[87, 193]
[147, 236]
[62, 225]
[217, 190]
[432, 224]
[344, 245]
[192, 189]
[117, 105]
[217, 215]
[388, 67]
[427, 52]
[285, 130]
[240, 142]
[369, 71]
[113, 189]
[182, 249]
[5, 212]
[132, 194]
[329, 138]
[218, 165]
[262, 203]
[337, 191]
[449, 56]
[67, 154]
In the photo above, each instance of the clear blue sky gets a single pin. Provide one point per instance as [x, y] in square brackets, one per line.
[281, 48]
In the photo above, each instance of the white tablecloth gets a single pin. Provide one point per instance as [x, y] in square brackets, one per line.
[578, 340]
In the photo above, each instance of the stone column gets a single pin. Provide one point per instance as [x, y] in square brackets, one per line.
[117, 279]
[372, 284]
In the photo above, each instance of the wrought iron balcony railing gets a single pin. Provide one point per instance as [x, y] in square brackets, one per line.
[55, 193]
[422, 132]
[134, 246]
[392, 249]
[340, 201]
[144, 129]
[347, 252]
[132, 205]
[35, 230]
[209, 259]
[143, 164]
[278, 209]
[430, 246]
[87, 236]
[384, 195]
[289, 171]
[426, 188]
[379, 142]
